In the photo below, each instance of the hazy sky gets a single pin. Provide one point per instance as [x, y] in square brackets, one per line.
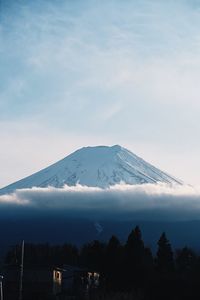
[90, 72]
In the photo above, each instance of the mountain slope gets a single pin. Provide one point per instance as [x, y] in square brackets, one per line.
[99, 166]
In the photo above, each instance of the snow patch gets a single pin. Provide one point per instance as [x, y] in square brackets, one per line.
[100, 166]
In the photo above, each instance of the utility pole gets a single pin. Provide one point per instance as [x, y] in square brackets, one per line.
[1, 286]
[21, 271]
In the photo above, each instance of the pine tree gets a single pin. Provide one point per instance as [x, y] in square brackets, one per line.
[185, 260]
[92, 255]
[113, 262]
[134, 262]
[165, 261]
[135, 246]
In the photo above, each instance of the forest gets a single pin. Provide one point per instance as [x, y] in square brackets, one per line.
[129, 269]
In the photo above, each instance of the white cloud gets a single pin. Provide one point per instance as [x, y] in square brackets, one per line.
[122, 202]
[12, 200]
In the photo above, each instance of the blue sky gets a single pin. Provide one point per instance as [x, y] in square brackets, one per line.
[77, 73]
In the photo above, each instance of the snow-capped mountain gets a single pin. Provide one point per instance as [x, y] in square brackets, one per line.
[99, 166]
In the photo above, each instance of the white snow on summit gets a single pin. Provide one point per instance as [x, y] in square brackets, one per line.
[100, 166]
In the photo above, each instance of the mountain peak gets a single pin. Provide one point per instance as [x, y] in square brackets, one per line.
[116, 147]
[101, 147]
[97, 166]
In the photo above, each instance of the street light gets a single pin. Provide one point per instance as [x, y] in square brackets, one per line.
[1, 286]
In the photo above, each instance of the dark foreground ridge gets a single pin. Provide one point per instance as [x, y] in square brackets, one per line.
[103, 271]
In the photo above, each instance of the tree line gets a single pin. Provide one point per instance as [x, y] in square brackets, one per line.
[130, 267]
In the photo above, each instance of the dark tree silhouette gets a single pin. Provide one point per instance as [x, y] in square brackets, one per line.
[113, 262]
[128, 270]
[135, 247]
[134, 258]
[165, 260]
[92, 255]
[185, 260]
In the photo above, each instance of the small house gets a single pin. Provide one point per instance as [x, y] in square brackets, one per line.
[71, 279]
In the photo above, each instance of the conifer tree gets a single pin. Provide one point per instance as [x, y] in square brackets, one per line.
[113, 262]
[165, 261]
[185, 260]
[135, 246]
[134, 262]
